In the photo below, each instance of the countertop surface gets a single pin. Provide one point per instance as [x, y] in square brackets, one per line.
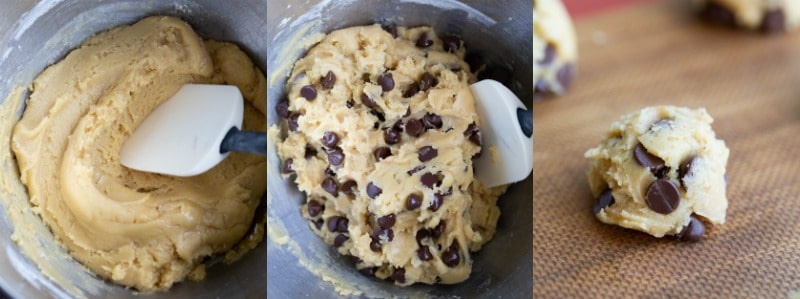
[653, 53]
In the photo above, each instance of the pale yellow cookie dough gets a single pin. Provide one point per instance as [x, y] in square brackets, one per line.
[766, 15]
[674, 135]
[142, 230]
[467, 213]
[555, 47]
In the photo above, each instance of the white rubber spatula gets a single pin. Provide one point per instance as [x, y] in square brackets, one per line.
[191, 132]
[506, 134]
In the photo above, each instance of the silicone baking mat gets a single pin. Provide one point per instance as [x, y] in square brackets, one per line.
[659, 53]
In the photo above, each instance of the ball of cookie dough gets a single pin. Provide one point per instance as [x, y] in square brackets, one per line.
[555, 47]
[660, 171]
[382, 131]
[769, 16]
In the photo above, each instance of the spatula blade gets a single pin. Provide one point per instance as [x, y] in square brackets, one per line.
[182, 136]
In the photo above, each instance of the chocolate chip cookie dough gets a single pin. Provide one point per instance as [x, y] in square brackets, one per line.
[769, 16]
[660, 170]
[142, 230]
[555, 48]
[380, 131]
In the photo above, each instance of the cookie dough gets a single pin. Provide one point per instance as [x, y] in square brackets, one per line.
[555, 47]
[769, 16]
[143, 230]
[660, 170]
[380, 130]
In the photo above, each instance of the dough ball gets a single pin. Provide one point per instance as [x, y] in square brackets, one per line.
[555, 47]
[660, 171]
[380, 129]
[768, 16]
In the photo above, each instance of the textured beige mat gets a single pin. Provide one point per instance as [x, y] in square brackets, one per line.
[654, 54]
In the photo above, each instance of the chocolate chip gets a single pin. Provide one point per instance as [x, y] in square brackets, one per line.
[386, 81]
[373, 190]
[549, 54]
[432, 121]
[415, 169]
[329, 184]
[473, 134]
[383, 233]
[411, 91]
[451, 44]
[565, 75]
[335, 156]
[408, 111]
[604, 200]
[341, 225]
[685, 168]
[308, 92]
[329, 172]
[398, 125]
[328, 81]
[644, 158]
[330, 139]
[378, 114]
[349, 187]
[439, 229]
[382, 152]
[369, 102]
[541, 86]
[719, 14]
[318, 223]
[774, 22]
[310, 151]
[387, 221]
[427, 82]
[429, 180]
[413, 201]
[475, 138]
[314, 208]
[663, 196]
[293, 126]
[414, 127]
[392, 29]
[369, 271]
[375, 245]
[694, 231]
[392, 136]
[477, 156]
[436, 203]
[333, 223]
[422, 235]
[399, 275]
[474, 61]
[471, 129]
[427, 153]
[350, 104]
[451, 257]
[339, 240]
[282, 109]
[424, 253]
[287, 166]
[424, 41]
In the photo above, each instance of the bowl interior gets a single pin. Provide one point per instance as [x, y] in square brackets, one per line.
[43, 32]
[297, 261]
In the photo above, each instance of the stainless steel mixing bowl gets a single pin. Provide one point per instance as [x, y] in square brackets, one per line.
[501, 31]
[36, 34]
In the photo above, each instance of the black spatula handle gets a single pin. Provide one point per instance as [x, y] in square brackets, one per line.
[250, 142]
